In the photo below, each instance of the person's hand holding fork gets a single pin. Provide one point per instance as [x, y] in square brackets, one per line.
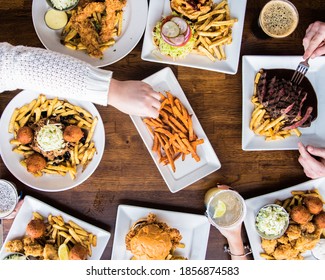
[314, 40]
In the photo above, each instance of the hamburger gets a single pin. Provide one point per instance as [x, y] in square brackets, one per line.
[191, 9]
[149, 239]
[173, 36]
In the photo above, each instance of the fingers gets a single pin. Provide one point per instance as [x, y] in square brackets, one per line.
[302, 150]
[320, 152]
[312, 42]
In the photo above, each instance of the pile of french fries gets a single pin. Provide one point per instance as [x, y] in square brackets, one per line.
[71, 38]
[32, 112]
[213, 31]
[70, 233]
[172, 131]
[261, 122]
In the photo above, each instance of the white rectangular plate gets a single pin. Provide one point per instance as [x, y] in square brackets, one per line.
[255, 203]
[313, 135]
[187, 171]
[194, 229]
[25, 214]
[161, 8]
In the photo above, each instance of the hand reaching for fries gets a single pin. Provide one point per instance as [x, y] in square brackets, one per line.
[313, 167]
[134, 98]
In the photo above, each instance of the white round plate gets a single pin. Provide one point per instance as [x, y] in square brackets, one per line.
[47, 182]
[134, 22]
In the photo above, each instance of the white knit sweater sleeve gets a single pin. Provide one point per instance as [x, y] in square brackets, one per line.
[52, 73]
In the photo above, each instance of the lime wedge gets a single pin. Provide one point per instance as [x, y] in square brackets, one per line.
[220, 209]
[63, 252]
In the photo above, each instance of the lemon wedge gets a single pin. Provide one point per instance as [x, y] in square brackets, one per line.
[220, 209]
[63, 252]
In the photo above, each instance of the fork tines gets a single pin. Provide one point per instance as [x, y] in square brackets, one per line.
[300, 72]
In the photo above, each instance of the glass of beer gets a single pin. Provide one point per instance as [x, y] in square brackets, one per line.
[225, 208]
[278, 18]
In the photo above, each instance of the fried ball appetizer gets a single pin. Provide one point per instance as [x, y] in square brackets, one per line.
[72, 133]
[320, 220]
[300, 214]
[78, 252]
[313, 204]
[25, 135]
[35, 228]
[35, 163]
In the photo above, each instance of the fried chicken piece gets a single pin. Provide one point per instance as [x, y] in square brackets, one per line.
[108, 21]
[313, 204]
[300, 214]
[35, 249]
[14, 246]
[320, 220]
[269, 245]
[285, 252]
[308, 227]
[283, 239]
[293, 232]
[50, 252]
[306, 242]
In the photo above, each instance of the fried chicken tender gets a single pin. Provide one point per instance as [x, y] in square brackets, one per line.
[50, 252]
[34, 249]
[306, 242]
[308, 227]
[108, 21]
[14, 246]
[300, 214]
[269, 245]
[293, 232]
[285, 252]
[313, 204]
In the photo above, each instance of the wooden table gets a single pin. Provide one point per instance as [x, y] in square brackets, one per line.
[127, 173]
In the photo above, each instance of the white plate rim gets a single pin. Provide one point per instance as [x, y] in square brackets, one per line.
[38, 183]
[313, 135]
[32, 204]
[157, 9]
[179, 180]
[255, 203]
[135, 18]
[199, 234]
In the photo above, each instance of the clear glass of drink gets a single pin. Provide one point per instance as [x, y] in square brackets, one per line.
[8, 198]
[225, 208]
[278, 18]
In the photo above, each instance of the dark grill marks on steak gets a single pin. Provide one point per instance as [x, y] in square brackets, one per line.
[280, 96]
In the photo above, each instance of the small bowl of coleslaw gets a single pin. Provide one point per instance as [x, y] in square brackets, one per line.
[62, 5]
[271, 221]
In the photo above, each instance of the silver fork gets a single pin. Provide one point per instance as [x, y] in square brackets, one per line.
[300, 72]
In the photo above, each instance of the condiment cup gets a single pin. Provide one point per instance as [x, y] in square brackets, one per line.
[49, 2]
[284, 227]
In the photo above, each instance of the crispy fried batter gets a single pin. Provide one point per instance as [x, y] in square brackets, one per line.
[293, 232]
[285, 252]
[14, 246]
[269, 245]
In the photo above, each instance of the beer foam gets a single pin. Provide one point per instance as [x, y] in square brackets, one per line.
[278, 19]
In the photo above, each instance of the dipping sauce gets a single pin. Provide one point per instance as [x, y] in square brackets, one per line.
[8, 198]
[56, 19]
[319, 250]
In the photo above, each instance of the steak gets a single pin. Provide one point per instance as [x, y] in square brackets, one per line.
[280, 97]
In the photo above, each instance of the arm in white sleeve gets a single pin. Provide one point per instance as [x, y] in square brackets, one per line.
[52, 73]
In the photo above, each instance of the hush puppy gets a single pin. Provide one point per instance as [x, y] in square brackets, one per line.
[35, 228]
[78, 252]
[300, 214]
[35, 163]
[72, 133]
[313, 204]
[320, 220]
[25, 135]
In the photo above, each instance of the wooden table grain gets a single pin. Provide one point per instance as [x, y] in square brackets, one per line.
[127, 174]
